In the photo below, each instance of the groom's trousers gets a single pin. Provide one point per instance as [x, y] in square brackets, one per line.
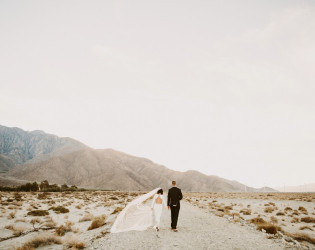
[174, 216]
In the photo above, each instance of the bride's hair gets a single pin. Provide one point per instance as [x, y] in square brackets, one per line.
[160, 191]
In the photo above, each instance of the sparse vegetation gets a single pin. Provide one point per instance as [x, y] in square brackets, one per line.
[306, 227]
[301, 237]
[246, 211]
[117, 210]
[280, 213]
[38, 213]
[59, 209]
[40, 240]
[308, 219]
[63, 229]
[86, 217]
[97, 222]
[269, 209]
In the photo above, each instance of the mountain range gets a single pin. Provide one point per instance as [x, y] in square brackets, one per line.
[36, 156]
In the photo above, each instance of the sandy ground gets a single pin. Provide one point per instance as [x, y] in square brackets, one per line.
[207, 221]
[196, 230]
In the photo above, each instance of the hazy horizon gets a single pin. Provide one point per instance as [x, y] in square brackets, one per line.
[225, 88]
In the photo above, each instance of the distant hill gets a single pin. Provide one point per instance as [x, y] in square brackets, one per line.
[22, 146]
[110, 169]
[37, 156]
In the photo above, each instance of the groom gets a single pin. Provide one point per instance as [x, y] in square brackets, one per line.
[173, 198]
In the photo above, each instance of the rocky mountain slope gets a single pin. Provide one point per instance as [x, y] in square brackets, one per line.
[113, 170]
[23, 146]
[5, 163]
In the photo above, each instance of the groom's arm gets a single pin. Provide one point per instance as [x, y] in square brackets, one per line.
[168, 199]
[180, 194]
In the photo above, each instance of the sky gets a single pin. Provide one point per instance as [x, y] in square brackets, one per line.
[223, 87]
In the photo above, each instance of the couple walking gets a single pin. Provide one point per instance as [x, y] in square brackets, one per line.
[173, 203]
[138, 216]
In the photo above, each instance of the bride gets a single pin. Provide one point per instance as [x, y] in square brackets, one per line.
[157, 202]
[137, 216]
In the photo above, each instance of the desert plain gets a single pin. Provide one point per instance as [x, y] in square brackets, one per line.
[82, 220]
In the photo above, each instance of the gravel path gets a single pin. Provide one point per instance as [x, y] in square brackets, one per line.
[196, 230]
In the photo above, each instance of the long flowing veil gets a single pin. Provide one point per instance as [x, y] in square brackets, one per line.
[135, 216]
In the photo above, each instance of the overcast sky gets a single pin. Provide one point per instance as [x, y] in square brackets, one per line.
[223, 87]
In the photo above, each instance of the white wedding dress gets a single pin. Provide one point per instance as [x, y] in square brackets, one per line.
[157, 208]
[135, 216]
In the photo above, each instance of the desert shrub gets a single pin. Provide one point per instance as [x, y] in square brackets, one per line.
[303, 210]
[271, 203]
[295, 220]
[12, 215]
[219, 213]
[86, 217]
[17, 230]
[273, 219]
[97, 222]
[59, 209]
[117, 210]
[308, 219]
[40, 240]
[49, 222]
[63, 229]
[280, 213]
[287, 209]
[73, 243]
[269, 227]
[295, 212]
[228, 207]
[38, 213]
[17, 196]
[246, 211]
[301, 237]
[113, 198]
[268, 209]
[257, 220]
[43, 195]
[305, 227]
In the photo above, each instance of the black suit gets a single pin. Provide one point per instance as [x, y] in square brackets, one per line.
[173, 201]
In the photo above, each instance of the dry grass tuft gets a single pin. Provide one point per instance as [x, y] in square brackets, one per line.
[40, 240]
[295, 220]
[59, 210]
[117, 210]
[38, 213]
[273, 219]
[63, 229]
[269, 209]
[308, 219]
[12, 215]
[97, 222]
[287, 209]
[269, 227]
[280, 213]
[86, 217]
[301, 237]
[303, 210]
[73, 243]
[306, 227]
[257, 220]
[246, 211]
